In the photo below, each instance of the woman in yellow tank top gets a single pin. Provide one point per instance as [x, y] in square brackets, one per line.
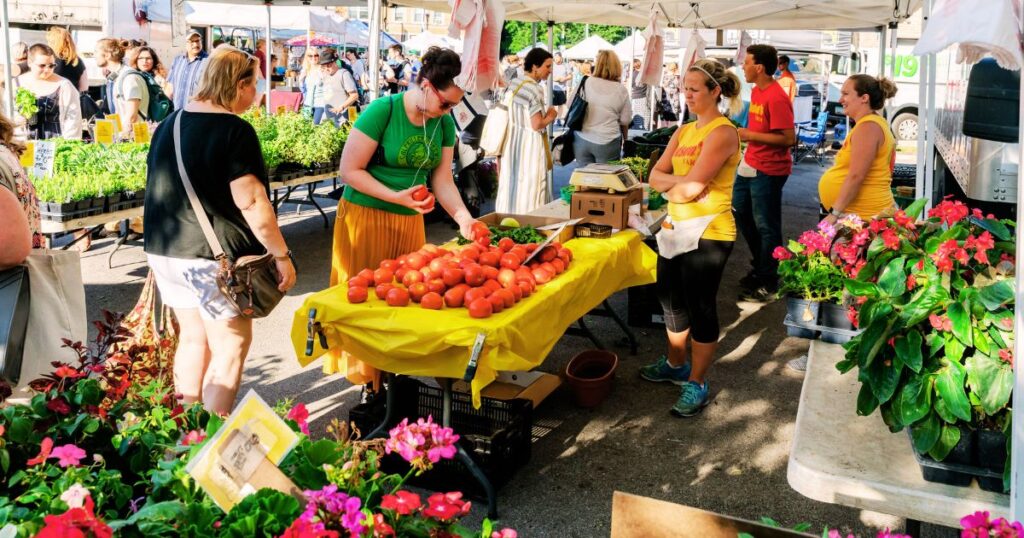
[860, 180]
[696, 173]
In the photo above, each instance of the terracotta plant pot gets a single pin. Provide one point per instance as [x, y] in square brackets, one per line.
[590, 375]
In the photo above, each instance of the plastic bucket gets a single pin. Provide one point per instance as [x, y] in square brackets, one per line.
[590, 375]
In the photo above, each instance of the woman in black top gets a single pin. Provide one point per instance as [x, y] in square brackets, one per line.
[69, 64]
[225, 166]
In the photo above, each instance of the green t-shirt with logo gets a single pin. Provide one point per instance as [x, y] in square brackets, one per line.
[408, 161]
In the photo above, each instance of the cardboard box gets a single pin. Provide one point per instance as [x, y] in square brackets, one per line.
[634, 516]
[533, 386]
[601, 207]
[493, 219]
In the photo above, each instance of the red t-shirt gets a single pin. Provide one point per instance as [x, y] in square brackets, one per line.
[770, 110]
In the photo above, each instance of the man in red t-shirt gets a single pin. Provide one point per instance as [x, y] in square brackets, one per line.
[757, 192]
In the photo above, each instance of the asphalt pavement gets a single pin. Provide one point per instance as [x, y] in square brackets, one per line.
[730, 459]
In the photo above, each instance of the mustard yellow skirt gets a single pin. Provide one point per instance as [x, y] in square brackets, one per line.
[364, 237]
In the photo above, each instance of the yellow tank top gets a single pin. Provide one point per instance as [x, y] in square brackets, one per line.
[875, 194]
[719, 198]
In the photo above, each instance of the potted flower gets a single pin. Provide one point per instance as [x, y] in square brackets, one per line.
[808, 277]
[935, 302]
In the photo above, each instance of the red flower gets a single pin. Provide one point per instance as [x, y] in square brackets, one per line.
[193, 437]
[878, 225]
[891, 240]
[75, 522]
[781, 253]
[903, 220]
[300, 415]
[65, 371]
[855, 269]
[911, 282]
[380, 527]
[2, 430]
[59, 406]
[851, 314]
[940, 323]
[1007, 322]
[301, 528]
[403, 502]
[949, 211]
[861, 238]
[1006, 355]
[946, 253]
[981, 245]
[446, 506]
[44, 452]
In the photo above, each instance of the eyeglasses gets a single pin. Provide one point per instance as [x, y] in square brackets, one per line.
[313, 56]
[445, 105]
[46, 66]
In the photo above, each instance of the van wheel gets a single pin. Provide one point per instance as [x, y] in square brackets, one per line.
[904, 126]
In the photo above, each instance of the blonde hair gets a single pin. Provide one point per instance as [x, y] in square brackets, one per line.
[608, 66]
[226, 68]
[7, 136]
[307, 60]
[60, 41]
[722, 78]
[114, 47]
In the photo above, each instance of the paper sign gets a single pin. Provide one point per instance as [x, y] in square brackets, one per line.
[105, 130]
[281, 109]
[243, 455]
[44, 152]
[352, 114]
[141, 131]
[28, 158]
[116, 118]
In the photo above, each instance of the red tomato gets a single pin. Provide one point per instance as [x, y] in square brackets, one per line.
[506, 296]
[507, 278]
[411, 277]
[367, 274]
[420, 193]
[492, 285]
[398, 297]
[383, 276]
[400, 273]
[549, 268]
[475, 275]
[530, 247]
[452, 277]
[415, 261]
[480, 228]
[517, 292]
[455, 297]
[520, 252]
[417, 291]
[483, 241]
[490, 259]
[429, 274]
[431, 248]
[559, 265]
[401, 260]
[382, 290]
[549, 253]
[437, 286]
[437, 265]
[432, 301]
[565, 254]
[506, 244]
[525, 287]
[524, 274]
[476, 293]
[443, 252]
[480, 308]
[491, 272]
[359, 282]
[390, 265]
[470, 252]
[542, 275]
[510, 261]
[497, 303]
[357, 294]
[464, 287]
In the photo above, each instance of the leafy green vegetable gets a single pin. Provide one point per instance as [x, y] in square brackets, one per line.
[520, 235]
[25, 101]
[82, 171]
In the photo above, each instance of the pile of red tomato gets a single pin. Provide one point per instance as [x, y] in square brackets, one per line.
[483, 278]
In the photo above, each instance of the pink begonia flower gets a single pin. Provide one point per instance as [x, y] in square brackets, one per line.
[193, 437]
[976, 524]
[1002, 528]
[781, 253]
[505, 533]
[300, 415]
[68, 455]
[889, 534]
[833, 533]
[75, 496]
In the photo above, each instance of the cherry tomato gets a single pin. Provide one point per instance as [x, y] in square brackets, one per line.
[357, 294]
[432, 301]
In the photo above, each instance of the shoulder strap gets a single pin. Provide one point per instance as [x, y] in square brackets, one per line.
[197, 207]
[514, 92]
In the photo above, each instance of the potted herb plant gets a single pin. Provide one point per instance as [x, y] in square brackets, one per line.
[808, 277]
[935, 301]
[25, 102]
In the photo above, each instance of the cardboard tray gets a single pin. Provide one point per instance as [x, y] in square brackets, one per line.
[492, 219]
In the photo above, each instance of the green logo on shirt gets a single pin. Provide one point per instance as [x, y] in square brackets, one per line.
[413, 153]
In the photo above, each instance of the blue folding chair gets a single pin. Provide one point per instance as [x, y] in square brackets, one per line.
[810, 138]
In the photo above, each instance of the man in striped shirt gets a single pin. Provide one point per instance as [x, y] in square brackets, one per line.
[187, 69]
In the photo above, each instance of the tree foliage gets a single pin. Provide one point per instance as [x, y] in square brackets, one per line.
[517, 35]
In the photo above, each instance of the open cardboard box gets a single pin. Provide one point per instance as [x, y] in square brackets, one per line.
[494, 219]
[634, 516]
[533, 386]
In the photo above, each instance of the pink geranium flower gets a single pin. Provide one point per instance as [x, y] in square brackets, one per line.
[505, 533]
[68, 455]
[300, 415]
[193, 437]
[781, 253]
[422, 443]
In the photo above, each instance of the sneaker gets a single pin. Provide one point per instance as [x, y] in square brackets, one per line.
[660, 370]
[798, 364]
[692, 400]
[759, 295]
[749, 282]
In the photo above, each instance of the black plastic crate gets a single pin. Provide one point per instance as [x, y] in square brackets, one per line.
[497, 436]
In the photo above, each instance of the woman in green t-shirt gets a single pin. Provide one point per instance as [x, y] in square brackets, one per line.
[399, 144]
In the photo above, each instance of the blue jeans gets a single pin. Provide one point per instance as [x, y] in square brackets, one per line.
[316, 112]
[588, 152]
[757, 205]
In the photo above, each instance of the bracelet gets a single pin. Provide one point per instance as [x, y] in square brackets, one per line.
[836, 213]
[287, 256]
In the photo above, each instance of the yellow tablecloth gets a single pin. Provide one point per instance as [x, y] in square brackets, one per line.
[438, 343]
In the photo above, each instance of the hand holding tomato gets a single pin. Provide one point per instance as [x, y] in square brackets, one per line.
[475, 231]
[408, 198]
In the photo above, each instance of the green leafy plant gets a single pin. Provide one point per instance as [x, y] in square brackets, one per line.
[806, 269]
[25, 102]
[935, 301]
[640, 166]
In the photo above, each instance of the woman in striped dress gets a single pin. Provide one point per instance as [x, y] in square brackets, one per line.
[526, 156]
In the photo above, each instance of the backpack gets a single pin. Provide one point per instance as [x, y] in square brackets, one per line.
[160, 106]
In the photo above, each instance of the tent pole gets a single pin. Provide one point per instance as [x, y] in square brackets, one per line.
[881, 50]
[266, 54]
[893, 41]
[8, 77]
[920, 182]
[374, 46]
[1016, 454]
[551, 80]
[309, 30]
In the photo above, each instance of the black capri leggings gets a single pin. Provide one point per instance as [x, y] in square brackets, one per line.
[688, 289]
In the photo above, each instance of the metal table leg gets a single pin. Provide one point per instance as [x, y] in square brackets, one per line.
[389, 405]
[913, 527]
[478, 474]
[584, 330]
[622, 325]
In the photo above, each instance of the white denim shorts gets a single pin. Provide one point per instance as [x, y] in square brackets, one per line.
[191, 284]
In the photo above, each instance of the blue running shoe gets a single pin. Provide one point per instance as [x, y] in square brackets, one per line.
[692, 400]
[660, 370]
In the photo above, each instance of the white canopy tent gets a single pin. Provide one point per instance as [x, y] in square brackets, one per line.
[632, 46]
[423, 41]
[587, 49]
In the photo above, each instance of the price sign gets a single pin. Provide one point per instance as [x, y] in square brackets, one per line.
[352, 114]
[141, 131]
[281, 109]
[116, 118]
[28, 158]
[105, 130]
[43, 156]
